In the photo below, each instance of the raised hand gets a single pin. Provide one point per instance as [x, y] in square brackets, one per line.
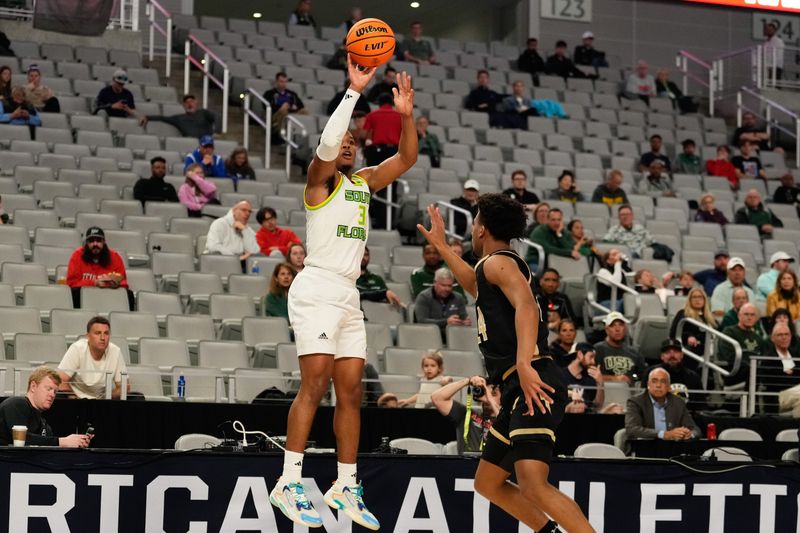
[359, 76]
[436, 235]
[403, 95]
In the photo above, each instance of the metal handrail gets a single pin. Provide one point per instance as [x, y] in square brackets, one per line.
[590, 282]
[770, 123]
[204, 66]
[265, 123]
[751, 382]
[527, 243]
[682, 60]
[450, 230]
[291, 122]
[705, 359]
[166, 31]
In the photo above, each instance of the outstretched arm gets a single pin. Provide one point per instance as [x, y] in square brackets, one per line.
[464, 273]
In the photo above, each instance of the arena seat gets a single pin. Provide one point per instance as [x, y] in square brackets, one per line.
[599, 450]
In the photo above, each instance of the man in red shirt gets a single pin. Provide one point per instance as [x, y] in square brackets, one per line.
[96, 265]
[383, 127]
[270, 237]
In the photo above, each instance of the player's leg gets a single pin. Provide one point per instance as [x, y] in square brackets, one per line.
[347, 375]
[492, 483]
[534, 487]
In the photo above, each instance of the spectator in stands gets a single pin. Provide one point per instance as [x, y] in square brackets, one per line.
[154, 188]
[553, 237]
[566, 191]
[788, 192]
[722, 167]
[114, 99]
[283, 102]
[785, 295]
[555, 303]
[84, 367]
[774, 49]
[387, 400]
[301, 16]
[783, 316]
[645, 282]
[43, 382]
[384, 86]
[618, 361]
[272, 239]
[485, 100]
[708, 211]
[751, 131]
[559, 64]
[721, 299]
[18, 110]
[780, 372]
[276, 302]
[712, 277]
[754, 212]
[658, 414]
[230, 235]
[586, 54]
[584, 380]
[778, 262]
[5, 84]
[431, 379]
[518, 191]
[584, 241]
[539, 217]
[517, 107]
[383, 128]
[629, 233]
[422, 278]
[688, 162]
[696, 308]
[564, 344]
[747, 165]
[296, 255]
[685, 282]
[197, 191]
[372, 287]
[640, 84]
[657, 183]
[731, 317]
[666, 88]
[362, 104]
[416, 49]
[39, 95]
[477, 424]
[194, 122]
[749, 338]
[530, 61]
[440, 304]
[338, 60]
[613, 267]
[237, 166]
[428, 142]
[656, 144]
[211, 164]
[469, 201]
[96, 265]
[682, 378]
[354, 16]
[611, 192]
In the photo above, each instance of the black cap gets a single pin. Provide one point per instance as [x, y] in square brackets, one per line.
[94, 231]
[721, 251]
[671, 343]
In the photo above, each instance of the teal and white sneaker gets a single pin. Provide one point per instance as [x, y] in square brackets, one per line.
[291, 499]
[349, 499]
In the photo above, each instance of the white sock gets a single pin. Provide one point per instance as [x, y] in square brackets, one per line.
[347, 474]
[292, 466]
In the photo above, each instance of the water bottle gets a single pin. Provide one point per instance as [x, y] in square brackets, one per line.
[181, 387]
[256, 269]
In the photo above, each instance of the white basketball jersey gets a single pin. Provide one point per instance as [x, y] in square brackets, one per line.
[336, 229]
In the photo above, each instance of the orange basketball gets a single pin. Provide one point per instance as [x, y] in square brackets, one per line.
[370, 42]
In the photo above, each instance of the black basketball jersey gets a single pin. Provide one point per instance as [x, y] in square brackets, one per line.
[497, 335]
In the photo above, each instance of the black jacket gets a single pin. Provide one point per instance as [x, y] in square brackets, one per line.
[18, 411]
[154, 190]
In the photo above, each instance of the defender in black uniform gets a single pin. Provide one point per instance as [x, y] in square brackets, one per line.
[513, 339]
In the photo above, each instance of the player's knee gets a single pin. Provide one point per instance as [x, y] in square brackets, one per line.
[533, 492]
[484, 487]
[350, 396]
[314, 388]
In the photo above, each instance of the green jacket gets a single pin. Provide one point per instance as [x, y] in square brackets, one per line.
[552, 243]
[276, 305]
[371, 287]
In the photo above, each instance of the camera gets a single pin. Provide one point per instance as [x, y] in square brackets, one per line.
[478, 392]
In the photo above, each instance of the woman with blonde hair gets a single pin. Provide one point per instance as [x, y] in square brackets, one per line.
[696, 308]
[785, 295]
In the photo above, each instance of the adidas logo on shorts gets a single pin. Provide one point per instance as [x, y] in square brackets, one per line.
[323, 336]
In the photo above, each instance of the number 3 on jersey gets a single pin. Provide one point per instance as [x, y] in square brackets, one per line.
[362, 215]
[482, 337]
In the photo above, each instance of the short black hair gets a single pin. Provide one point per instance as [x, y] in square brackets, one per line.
[550, 270]
[572, 222]
[656, 136]
[97, 320]
[262, 214]
[188, 97]
[503, 216]
[533, 40]
[688, 142]
[483, 71]
[390, 69]
[556, 210]
[565, 173]
[281, 74]
[624, 206]
[157, 159]
[385, 98]
[561, 44]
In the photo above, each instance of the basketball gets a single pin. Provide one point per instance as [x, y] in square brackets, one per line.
[370, 42]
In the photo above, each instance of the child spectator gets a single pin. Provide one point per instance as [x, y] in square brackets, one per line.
[721, 166]
[432, 369]
[197, 191]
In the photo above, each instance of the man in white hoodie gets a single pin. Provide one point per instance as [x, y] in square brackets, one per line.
[230, 235]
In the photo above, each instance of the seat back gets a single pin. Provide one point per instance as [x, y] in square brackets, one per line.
[196, 441]
[599, 450]
[740, 434]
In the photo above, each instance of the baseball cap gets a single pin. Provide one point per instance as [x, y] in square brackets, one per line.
[614, 316]
[736, 261]
[120, 76]
[777, 256]
[95, 232]
[721, 252]
[587, 35]
[206, 140]
[671, 343]
[472, 184]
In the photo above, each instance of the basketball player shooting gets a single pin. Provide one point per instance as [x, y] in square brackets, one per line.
[324, 306]
[513, 340]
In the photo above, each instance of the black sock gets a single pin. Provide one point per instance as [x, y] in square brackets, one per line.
[549, 527]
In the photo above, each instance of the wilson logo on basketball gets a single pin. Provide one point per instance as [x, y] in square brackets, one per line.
[370, 29]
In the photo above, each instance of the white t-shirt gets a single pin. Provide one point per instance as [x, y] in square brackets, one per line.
[89, 381]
